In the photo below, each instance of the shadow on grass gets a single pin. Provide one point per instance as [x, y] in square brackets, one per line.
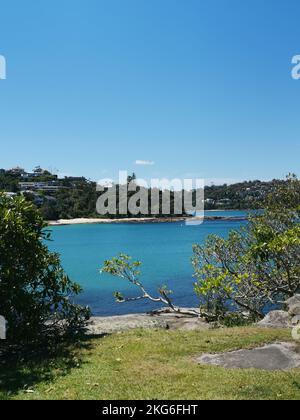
[22, 369]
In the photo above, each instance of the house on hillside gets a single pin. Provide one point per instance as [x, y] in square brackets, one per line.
[16, 171]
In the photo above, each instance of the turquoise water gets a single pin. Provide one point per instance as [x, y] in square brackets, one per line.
[165, 250]
[228, 213]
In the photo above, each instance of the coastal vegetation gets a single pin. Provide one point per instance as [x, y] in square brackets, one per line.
[257, 267]
[76, 197]
[124, 268]
[36, 296]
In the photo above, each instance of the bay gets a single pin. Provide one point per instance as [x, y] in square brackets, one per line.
[164, 248]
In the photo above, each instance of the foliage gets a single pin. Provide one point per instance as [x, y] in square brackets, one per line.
[123, 267]
[126, 269]
[242, 195]
[78, 200]
[257, 266]
[77, 197]
[35, 293]
[8, 182]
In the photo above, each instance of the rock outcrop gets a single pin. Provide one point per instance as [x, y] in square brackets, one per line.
[295, 300]
[276, 319]
[161, 319]
[294, 310]
[283, 319]
[272, 357]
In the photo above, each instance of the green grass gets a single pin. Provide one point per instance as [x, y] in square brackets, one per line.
[148, 364]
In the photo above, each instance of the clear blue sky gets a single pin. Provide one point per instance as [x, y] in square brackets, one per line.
[201, 88]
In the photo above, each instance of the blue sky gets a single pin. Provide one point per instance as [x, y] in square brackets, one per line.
[199, 88]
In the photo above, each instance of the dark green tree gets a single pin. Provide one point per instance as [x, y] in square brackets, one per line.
[36, 296]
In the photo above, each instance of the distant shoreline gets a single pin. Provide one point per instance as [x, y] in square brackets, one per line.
[142, 220]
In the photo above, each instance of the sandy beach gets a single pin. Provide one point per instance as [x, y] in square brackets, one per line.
[124, 220]
[84, 221]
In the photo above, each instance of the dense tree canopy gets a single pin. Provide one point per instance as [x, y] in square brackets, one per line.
[35, 293]
[76, 197]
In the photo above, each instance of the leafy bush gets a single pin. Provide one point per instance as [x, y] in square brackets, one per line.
[35, 293]
[256, 267]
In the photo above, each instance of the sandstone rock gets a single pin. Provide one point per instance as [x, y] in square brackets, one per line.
[183, 321]
[164, 319]
[112, 324]
[280, 356]
[187, 324]
[275, 319]
[294, 310]
[296, 320]
[295, 300]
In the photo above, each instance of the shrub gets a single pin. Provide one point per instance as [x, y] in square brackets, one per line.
[35, 293]
[256, 267]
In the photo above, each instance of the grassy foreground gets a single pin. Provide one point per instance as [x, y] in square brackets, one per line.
[148, 364]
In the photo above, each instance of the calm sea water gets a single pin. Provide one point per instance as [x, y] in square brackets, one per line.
[228, 213]
[165, 250]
